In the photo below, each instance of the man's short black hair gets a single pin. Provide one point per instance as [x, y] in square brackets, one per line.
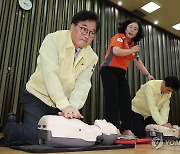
[172, 82]
[86, 15]
[122, 28]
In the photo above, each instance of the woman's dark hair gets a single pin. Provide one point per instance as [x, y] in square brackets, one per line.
[86, 15]
[122, 28]
[172, 82]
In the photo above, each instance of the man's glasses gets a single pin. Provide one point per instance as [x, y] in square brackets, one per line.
[84, 31]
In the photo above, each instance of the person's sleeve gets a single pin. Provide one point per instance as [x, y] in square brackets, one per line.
[82, 86]
[165, 110]
[50, 67]
[117, 40]
[150, 99]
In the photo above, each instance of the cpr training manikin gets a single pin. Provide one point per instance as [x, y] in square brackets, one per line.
[58, 131]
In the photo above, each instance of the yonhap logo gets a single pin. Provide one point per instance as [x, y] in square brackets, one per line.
[172, 142]
[157, 142]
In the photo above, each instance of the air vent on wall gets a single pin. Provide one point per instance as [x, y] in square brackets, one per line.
[138, 13]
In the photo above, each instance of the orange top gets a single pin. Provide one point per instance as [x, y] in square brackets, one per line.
[110, 59]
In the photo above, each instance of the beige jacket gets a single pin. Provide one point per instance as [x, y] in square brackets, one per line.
[59, 81]
[150, 102]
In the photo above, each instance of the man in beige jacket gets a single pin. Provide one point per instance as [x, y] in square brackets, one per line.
[61, 81]
[151, 104]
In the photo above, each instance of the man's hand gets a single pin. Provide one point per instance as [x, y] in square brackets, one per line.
[70, 112]
[168, 125]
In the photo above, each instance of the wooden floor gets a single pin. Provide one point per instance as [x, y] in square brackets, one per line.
[139, 149]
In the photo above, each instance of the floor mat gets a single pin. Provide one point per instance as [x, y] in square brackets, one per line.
[170, 138]
[45, 149]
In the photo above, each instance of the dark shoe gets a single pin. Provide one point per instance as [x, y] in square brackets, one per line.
[10, 121]
[3, 142]
[11, 117]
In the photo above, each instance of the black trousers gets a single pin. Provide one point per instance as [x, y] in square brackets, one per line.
[34, 109]
[117, 96]
[139, 124]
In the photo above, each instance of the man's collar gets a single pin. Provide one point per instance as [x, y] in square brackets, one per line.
[69, 40]
[159, 84]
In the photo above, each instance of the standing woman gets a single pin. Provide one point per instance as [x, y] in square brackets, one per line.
[113, 73]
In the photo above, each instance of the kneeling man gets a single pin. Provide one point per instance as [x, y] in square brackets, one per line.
[151, 104]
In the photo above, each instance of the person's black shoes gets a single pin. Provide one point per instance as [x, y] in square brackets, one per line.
[11, 117]
[3, 142]
[10, 121]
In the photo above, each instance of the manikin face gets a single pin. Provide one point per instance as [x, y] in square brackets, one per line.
[83, 33]
[165, 89]
[131, 30]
